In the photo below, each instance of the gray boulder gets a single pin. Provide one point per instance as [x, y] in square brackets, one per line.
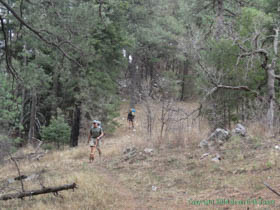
[240, 130]
[218, 137]
[129, 153]
[217, 159]
[204, 155]
[129, 150]
[148, 151]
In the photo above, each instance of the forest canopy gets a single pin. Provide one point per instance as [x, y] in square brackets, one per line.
[77, 59]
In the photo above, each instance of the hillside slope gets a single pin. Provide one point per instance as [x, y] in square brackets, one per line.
[172, 176]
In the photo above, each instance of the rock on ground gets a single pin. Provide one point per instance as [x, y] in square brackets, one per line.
[148, 150]
[240, 130]
[218, 137]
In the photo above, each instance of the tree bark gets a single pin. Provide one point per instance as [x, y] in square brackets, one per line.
[271, 82]
[151, 68]
[132, 83]
[271, 95]
[55, 93]
[183, 87]
[54, 190]
[75, 132]
[220, 19]
[32, 116]
[149, 119]
[23, 96]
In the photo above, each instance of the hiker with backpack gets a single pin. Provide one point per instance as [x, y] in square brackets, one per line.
[130, 118]
[95, 135]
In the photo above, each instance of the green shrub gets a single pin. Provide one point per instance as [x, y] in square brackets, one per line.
[57, 132]
[47, 147]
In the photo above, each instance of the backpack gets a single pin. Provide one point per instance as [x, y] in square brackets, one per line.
[99, 123]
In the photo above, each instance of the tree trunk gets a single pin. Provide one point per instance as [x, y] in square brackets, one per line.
[229, 118]
[271, 83]
[22, 110]
[162, 119]
[32, 116]
[23, 93]
[271, 95]
[132, 84]
[183, 87]
[55, 93]
[151, 67]
[219, 19]
[149, 119]
[75, 132]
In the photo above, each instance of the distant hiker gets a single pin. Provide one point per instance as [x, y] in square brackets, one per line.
[130, 118]
[95, 134]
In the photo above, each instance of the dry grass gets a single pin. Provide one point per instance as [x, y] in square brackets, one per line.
[92, 192]
[180, 175]
[258, 129]
[63, 167]
[178, 134]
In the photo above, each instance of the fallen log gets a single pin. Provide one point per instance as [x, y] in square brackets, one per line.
[45, 190]
[272, 190]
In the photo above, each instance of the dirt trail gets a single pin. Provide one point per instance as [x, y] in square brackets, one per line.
[126, 198]
[132, 194]
[124, 195]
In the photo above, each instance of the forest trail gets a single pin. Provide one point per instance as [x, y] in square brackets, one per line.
[173, 176]
[113, 183]
[126, 198]
[131, 193]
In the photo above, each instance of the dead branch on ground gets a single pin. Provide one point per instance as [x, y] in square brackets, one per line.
[46, 190]
[272, 190]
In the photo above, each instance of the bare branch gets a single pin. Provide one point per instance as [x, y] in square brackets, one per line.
[18, 170]
[277, 77]
[241, 47]
[259, 51]
[243, 88]
[266, 39]
[187, 116]
[210, 92]
[275, 43]
[256, 40]
[230, 12]
[10, 68]
[38, 34]
[272, 190]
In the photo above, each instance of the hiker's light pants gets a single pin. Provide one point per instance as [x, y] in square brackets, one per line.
[93, 141]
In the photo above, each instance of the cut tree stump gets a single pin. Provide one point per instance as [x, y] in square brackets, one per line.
[38, 192]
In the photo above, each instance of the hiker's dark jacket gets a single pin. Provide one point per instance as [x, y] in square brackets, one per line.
[130, 116]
